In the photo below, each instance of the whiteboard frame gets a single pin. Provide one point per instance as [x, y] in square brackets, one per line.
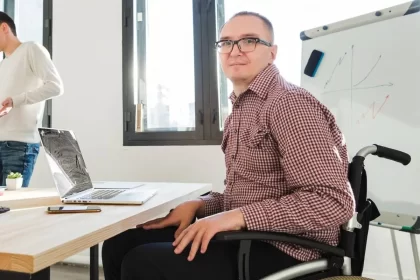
[369, 18]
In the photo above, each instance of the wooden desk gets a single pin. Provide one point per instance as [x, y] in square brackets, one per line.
[32, 240]
[29, 197]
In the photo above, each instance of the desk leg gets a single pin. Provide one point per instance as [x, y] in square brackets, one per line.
[397, 257]
[94, 262]
[41, 275]
[415, 254]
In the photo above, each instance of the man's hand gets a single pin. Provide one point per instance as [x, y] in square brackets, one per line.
[181, 216]
[202, 231]
[7, 105]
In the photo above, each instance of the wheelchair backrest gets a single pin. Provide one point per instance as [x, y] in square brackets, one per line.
[353, 239]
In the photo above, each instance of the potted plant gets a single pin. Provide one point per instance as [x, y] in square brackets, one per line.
[14, 181]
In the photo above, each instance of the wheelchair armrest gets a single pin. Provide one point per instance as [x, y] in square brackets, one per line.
[278, 236]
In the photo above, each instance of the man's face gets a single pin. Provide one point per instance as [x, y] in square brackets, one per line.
[240, 65]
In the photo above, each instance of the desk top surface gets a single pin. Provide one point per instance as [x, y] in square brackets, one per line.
[29, 197]
[32, 239]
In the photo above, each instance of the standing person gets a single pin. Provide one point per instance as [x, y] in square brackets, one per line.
[27, 79]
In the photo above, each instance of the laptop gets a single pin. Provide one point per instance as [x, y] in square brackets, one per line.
[72, 179]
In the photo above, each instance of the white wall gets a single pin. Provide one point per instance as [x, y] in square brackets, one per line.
[87, 51]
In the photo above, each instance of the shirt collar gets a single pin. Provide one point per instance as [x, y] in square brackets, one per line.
[261, 82]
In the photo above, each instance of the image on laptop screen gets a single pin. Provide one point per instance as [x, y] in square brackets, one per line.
[66, 161]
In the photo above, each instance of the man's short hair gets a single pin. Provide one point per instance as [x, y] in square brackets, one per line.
[265, 20]
[5, 18]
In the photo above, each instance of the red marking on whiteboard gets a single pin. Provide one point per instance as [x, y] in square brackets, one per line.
[380, 108]
[372, 110]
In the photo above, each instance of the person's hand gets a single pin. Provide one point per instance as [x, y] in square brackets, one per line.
[6, 106]
[201, 232]
[181, 216]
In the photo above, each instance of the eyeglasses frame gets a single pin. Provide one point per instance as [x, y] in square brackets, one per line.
[236, 42]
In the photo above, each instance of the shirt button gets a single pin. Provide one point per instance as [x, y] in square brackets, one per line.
[237, 106]
[236, 130]
[233, 156]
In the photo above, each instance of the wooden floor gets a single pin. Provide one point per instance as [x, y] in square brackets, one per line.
[71, 272]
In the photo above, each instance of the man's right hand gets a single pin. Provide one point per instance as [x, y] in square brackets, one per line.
[6, 106]
[4, 111]
[181, 216]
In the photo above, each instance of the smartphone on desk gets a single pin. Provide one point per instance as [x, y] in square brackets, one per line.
[73, 209]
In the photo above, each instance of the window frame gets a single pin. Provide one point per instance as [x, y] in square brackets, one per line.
[48, 44]
[206, 131]
[9, 8]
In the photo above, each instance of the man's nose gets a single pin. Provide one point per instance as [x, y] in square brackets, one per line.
[235, 50]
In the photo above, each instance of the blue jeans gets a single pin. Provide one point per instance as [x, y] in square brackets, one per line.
[17, 157]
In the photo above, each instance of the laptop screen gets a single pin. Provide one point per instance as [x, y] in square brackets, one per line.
[65, 160]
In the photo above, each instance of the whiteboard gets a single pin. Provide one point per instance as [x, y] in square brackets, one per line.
[369, 78]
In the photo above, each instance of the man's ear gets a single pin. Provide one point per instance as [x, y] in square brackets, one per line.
[273, 53]
[4, 27]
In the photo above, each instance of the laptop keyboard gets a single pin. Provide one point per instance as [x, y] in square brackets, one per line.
[102, 194]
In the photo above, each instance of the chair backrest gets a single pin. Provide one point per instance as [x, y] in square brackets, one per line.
[353, 238]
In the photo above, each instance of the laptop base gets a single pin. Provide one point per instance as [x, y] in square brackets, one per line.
[125, 198]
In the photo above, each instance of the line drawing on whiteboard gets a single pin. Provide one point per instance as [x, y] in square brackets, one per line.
[371, 112]
[332, 73]
[367, 75]
[357, 85]
[359, 88]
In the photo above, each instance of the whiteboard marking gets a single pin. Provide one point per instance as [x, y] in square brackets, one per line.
[372, 109]
[368, 74]
[358, 88]
[354, 86]
[337, 64]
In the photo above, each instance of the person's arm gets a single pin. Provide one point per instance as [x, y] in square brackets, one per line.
[43, 67]
[213, 204]
[320, 196]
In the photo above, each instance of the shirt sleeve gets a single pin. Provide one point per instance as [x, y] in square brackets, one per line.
[42, 67]
[320, 196]
[213, 203]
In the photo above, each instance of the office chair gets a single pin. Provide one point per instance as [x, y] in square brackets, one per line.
[347, 258]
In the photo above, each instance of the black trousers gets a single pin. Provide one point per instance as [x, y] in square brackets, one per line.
[149, 255]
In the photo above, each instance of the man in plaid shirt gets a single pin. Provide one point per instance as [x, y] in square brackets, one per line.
[286, 171]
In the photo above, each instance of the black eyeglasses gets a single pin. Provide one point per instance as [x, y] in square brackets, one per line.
[244, 44]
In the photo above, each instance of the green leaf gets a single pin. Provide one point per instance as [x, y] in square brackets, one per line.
[14, 175]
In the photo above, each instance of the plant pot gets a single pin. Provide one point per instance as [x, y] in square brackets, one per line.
[14, 184]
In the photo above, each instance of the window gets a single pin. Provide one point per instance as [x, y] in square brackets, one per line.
[165, 86]
[33, 23]
[174, 90]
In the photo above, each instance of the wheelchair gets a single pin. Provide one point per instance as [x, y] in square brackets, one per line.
[347, 258]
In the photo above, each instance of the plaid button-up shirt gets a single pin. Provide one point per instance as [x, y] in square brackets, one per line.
[286, 165]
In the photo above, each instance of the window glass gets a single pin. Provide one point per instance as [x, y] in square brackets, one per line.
[164, 51]
[29, 20]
